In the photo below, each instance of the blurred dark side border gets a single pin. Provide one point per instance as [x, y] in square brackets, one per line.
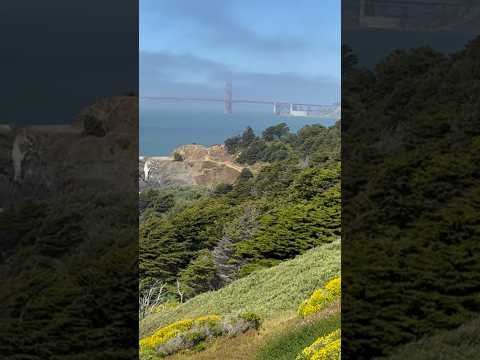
[410, 190]
[69, 179]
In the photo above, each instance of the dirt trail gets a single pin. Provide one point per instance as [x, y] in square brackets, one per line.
[229, 164]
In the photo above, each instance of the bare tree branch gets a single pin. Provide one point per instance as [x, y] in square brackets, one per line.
[179, 291]
[151, 297]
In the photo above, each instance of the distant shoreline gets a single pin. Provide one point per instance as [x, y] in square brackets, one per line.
[155, 157]
[162, 130]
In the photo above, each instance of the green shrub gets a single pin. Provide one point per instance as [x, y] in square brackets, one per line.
[252, 318]
[222, 189]
[178, 157]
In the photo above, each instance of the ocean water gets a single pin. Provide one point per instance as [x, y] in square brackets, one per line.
[166, 125]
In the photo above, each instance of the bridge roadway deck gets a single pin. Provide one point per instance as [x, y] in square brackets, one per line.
[243, 101]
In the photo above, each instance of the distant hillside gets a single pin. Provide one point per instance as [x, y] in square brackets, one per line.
[189, 165]
[271, 293]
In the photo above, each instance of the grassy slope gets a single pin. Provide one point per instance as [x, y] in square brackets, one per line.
[280, 339]
[273, 293]
[460, 344]
[290, 341]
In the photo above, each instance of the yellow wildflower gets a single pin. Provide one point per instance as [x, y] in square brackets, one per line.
[326, 347]
[331, 351]
[168, 332]
[334, 287]
[321, 298]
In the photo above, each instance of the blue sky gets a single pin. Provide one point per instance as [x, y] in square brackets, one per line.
[275, 50]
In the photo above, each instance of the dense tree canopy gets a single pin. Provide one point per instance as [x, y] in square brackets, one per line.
[314, 142]
[61, 277]
[409, 197]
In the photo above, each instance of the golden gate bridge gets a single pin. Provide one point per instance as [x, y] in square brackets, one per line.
[286, 108]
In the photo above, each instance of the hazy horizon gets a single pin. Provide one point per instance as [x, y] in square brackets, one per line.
[270, 51]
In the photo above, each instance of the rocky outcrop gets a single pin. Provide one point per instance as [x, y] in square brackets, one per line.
[95, 151]
[202, 166]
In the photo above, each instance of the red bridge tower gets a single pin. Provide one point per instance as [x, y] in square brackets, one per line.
[228, 97]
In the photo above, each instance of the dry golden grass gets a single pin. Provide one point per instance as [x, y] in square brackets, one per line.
[242, 347]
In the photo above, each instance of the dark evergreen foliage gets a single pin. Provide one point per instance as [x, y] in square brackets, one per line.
[275, 132]
[248, 136]
[69, 288]
[411, 231]
[233, 144]
[222, 189]
[314, 143]
[200, 275]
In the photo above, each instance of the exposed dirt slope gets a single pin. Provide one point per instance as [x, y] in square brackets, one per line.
[204, 166]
